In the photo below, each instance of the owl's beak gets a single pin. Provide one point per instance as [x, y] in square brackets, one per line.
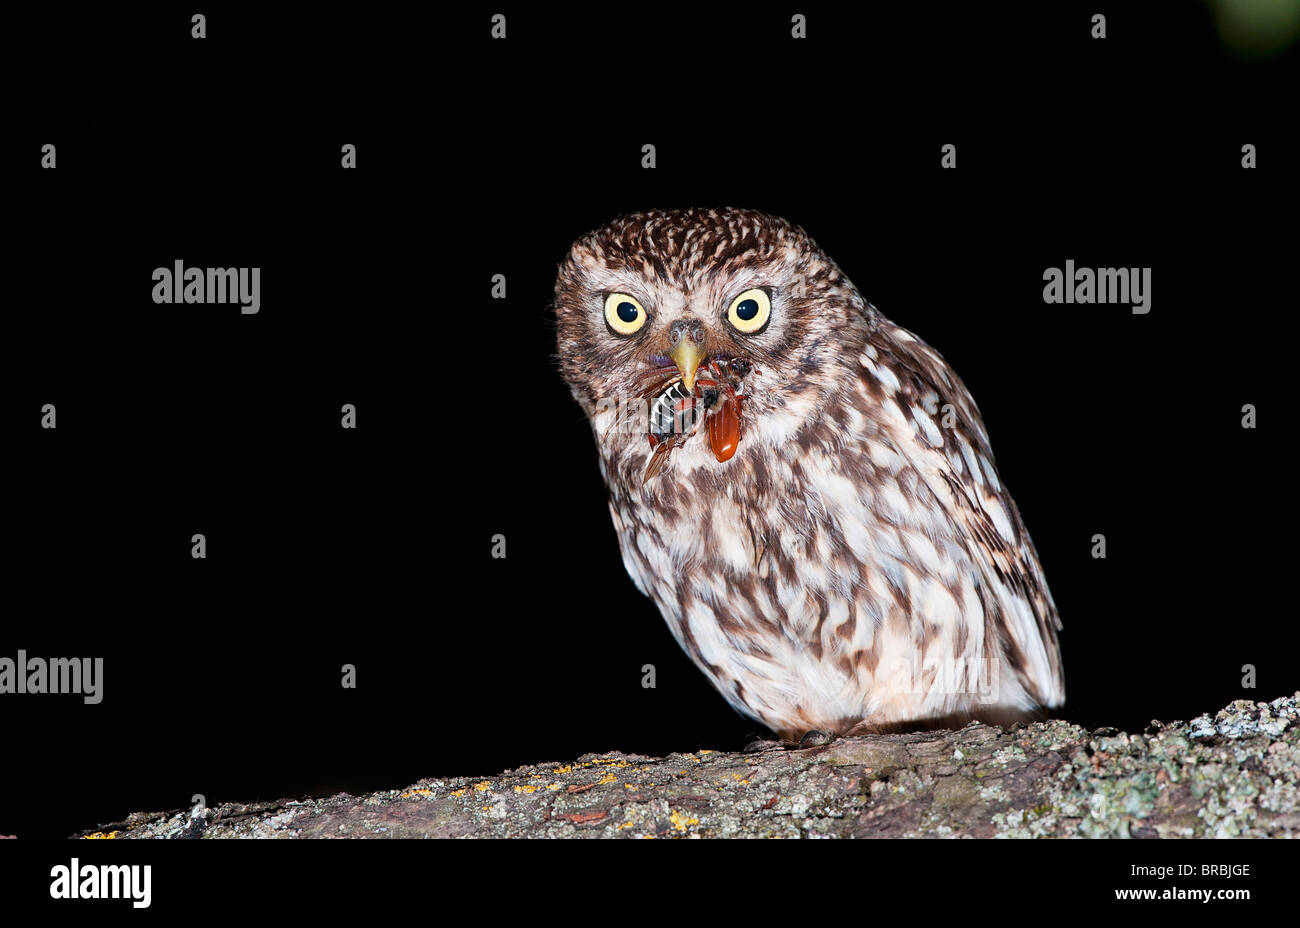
[687, 355]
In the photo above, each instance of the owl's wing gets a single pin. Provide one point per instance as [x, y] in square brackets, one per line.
[951, 451]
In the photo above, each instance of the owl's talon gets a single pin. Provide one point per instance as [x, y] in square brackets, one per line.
[811, 739]
[815, 738]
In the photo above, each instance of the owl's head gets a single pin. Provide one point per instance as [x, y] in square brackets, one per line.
[667, 292]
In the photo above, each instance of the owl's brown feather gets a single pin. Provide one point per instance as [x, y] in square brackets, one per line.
[857, 564]
[1001, 545]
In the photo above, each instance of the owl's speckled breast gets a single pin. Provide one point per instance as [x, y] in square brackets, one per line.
[790, 583]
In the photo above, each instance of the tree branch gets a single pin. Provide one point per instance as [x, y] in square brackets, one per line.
[1236, 774]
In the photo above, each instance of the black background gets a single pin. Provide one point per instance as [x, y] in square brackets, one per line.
[372, 547]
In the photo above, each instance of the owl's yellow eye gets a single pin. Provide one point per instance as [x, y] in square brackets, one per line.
[749, 311]
[623, 313]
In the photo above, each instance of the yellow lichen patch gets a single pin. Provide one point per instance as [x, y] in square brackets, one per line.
[740, 779]
[483, 787]
[624, 825]
[100, 834]
[416, 792]
[459, 792]
[568, 768]
[629, 786]
[704, 751]
[599, 762]
[607, 778]
[526, 789]
[554, 786]
[681, 822]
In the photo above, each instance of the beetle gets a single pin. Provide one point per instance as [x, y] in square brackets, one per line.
[675, 415]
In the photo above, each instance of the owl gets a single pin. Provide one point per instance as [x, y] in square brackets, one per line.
[803, 488]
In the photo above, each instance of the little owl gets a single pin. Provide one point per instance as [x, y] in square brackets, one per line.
[804, 488]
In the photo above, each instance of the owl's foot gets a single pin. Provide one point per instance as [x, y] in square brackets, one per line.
[816, 738]
[811, 739]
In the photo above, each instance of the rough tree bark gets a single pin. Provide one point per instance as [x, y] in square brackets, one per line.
[1236, 774]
